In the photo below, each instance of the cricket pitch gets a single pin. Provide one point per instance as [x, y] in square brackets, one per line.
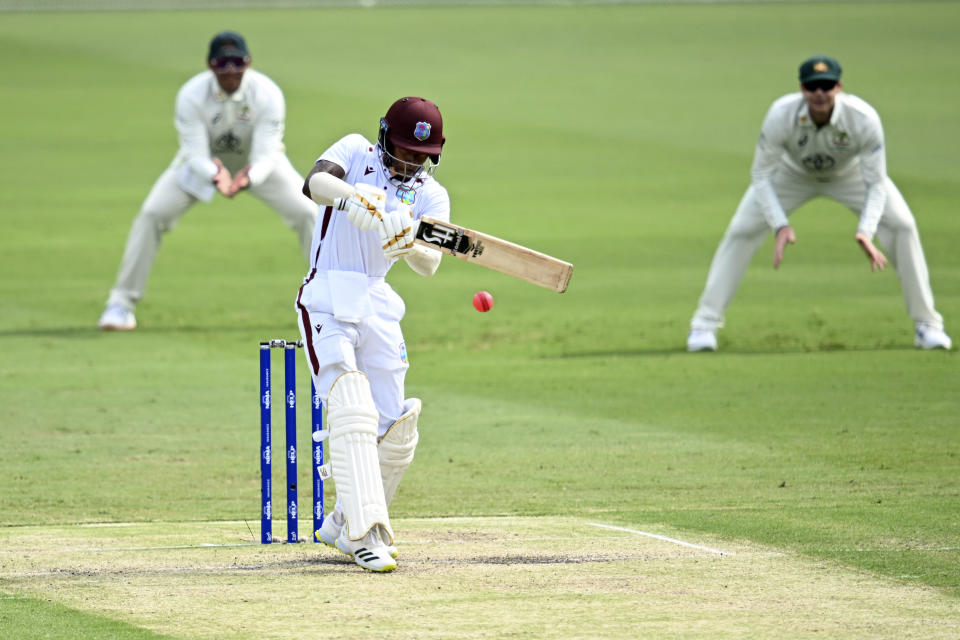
[500, 577]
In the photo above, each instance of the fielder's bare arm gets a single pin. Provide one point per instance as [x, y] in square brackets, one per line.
[820, 142]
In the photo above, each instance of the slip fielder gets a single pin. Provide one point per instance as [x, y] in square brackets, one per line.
[230, 122]
[820, 142]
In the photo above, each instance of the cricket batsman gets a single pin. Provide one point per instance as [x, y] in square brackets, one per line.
[371, 196]
[820, 142]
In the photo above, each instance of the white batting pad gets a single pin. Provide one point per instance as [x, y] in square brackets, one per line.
[352, 420]
[397, 446]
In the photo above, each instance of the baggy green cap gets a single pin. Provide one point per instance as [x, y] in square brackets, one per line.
[228, 43]
[820, 68]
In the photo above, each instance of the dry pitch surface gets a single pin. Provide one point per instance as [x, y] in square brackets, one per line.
[461, 578]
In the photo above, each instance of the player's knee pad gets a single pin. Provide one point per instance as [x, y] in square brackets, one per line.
[397, 446]
[352, 419]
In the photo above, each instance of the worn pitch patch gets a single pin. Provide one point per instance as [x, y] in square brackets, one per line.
[462, 578]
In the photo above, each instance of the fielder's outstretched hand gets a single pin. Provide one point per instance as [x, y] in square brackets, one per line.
[365, 208]
[222, 179]
[398, 232]
[785, 236]
[240, 181]
[877, 260]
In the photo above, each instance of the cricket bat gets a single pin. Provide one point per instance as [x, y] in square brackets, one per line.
[494, 253]
[466, 244]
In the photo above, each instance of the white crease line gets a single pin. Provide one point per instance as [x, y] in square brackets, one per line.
[664, 538]
[205, 545]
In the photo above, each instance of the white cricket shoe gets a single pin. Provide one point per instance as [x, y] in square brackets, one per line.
[929, 337]
[702, 340]
[330, 530]
[117, 318]
[369, 552]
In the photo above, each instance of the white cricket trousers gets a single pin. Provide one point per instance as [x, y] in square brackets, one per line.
[167, 202]
[374, 346]
[897, 234]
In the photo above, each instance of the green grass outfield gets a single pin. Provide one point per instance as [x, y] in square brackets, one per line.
[804, 480]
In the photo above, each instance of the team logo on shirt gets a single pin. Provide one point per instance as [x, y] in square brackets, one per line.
[422, 131]
[244, 113]
[406, 194]
[403, 352]
[802, 141]
[227, 143]
[841, 139]
[819, 162]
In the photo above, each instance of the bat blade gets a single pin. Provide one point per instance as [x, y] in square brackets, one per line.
[495, 253]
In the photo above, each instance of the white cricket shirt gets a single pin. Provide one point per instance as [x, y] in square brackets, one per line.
[339, 246]
[850, 146]
[241, 128]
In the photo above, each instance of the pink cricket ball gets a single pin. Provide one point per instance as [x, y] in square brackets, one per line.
[482, 301]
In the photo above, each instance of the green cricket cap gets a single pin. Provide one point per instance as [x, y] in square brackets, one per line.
[228, 44]
[820, 68]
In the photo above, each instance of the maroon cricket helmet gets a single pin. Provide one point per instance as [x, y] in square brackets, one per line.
[414, 124]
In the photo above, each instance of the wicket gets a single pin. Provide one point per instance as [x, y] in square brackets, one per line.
[266, 466]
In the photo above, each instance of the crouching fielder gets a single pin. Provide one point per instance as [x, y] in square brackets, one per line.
[820, 142]
[372, 196]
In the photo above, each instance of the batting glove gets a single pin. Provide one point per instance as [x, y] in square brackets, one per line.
[365, 207]
[398, 232]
